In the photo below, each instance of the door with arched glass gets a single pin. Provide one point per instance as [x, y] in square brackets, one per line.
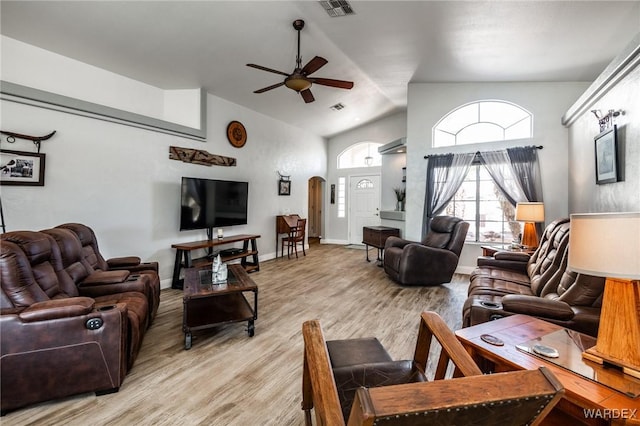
[364, 205]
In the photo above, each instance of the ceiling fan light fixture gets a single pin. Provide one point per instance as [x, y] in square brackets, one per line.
[297, 83]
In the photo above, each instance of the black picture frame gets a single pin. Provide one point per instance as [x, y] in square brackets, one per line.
[284, 187]
[606, 154]
[20, 168]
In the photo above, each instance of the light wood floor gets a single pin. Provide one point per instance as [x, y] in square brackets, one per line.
[228, 378]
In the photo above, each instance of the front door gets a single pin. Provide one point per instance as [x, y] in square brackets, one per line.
[364, 205]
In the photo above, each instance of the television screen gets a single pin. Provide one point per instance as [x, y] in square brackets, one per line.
[208, 203]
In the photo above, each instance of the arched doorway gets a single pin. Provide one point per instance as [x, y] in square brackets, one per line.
[316, 203]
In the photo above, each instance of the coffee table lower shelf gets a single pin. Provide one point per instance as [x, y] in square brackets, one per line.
[203, 313]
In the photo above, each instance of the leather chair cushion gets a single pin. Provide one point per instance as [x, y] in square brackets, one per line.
[498, 283]
[441, 229]
[351, 378]
[343, 353]
[31, 275]
[586, 290]
[89, 244]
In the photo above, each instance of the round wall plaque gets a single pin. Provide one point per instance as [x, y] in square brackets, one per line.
[237, 134]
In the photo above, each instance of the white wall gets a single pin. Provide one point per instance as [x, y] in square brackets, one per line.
[38, 68]
[624, 196]
[382, 131]
[120, 181]
[427, 103]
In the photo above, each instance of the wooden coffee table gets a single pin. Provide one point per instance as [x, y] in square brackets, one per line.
[586, 402]
[207, 305]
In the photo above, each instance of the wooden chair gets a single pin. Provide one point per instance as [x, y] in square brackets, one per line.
[470, 398]
[296, 236]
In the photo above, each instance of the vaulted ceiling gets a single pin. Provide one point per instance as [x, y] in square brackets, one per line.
[382, 48]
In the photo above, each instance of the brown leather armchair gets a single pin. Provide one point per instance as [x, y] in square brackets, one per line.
[431, 261]
[47, 331]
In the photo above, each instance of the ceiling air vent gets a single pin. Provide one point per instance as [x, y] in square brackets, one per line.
[337, 107]
[337, 8]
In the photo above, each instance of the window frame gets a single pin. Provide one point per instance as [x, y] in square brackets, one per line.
[372, 150]
[437, 133]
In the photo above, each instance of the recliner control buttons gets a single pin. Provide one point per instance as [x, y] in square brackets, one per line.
[94, 323]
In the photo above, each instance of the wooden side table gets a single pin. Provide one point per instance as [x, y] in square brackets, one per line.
[376, 236]
[586, 402]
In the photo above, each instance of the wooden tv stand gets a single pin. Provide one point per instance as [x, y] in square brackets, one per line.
[184, 260]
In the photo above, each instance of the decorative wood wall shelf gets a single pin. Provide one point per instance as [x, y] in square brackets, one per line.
[199, 156]
[11, 137]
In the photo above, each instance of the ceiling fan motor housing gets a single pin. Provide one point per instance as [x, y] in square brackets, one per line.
[297, 82]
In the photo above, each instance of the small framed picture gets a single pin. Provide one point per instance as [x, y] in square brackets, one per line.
[284, 187]
[607, 167]
[21, 168]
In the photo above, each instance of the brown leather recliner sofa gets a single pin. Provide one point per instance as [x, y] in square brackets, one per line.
[539, 285]
[431, 261]
[80, 330]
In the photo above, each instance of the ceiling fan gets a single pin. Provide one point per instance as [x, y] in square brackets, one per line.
[299, 79]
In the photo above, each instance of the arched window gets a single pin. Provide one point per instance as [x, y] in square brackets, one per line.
[483, 121]
[363, 154]
[364, 184]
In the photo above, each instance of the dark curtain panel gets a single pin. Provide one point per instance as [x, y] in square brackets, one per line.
[498, 164]
[445, 174]
[524, 161]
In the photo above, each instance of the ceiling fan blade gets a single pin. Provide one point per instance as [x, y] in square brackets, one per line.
[260, 67]
[307, 96]
[341, 84]
[314, 65]
[264, 89]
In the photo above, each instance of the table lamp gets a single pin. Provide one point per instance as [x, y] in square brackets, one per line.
[608, 245]
[530, 212]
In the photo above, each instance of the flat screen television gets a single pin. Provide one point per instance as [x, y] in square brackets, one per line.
[209, 203]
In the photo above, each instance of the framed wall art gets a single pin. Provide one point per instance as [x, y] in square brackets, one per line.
[21, 168]
[284, 187]
[607, 167]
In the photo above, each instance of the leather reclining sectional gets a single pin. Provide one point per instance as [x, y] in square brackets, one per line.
[66, 327]
[539, 285]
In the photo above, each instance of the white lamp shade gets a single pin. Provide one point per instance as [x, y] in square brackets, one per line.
[530, 212]
[605, 244]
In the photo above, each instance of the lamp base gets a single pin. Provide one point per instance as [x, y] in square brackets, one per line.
[619, 332]
[593, 355]
[530, 236]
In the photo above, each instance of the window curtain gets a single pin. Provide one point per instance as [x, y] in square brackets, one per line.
[498, 164]
[516, 172]
[524, 161]
[445, 174]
